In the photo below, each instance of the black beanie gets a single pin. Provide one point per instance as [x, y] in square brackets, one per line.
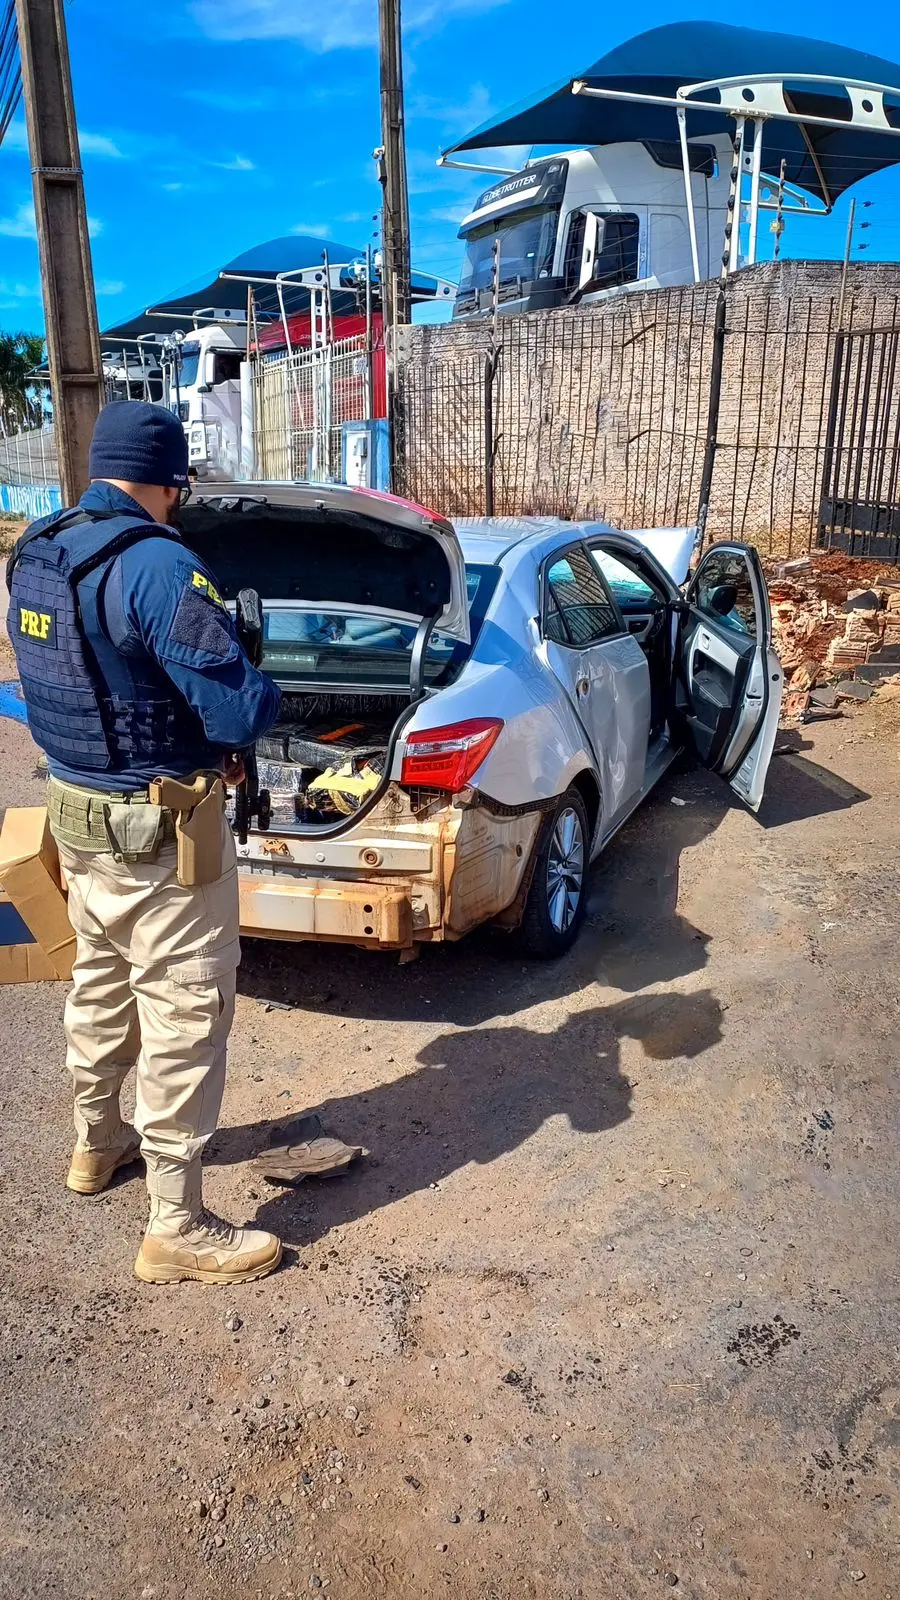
[139, 443]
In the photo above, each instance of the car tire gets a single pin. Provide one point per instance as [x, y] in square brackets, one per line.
[557, 899]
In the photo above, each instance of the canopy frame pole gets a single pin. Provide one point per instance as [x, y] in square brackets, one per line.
[477, 166]
[688, 189]
[279, 289]
[818, 166]
[733, 213]
[755, 173]
[739, 108]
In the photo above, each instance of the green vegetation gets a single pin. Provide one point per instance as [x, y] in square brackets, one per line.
[20, 399]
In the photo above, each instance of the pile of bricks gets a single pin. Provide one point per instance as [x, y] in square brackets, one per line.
[831, 615]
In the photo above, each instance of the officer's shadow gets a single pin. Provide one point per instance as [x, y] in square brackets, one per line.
[478, 1094]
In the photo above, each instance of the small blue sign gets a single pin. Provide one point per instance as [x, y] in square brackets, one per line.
[12, 702]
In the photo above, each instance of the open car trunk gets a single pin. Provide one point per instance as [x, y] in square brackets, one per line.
[326, 757]
[363, 605]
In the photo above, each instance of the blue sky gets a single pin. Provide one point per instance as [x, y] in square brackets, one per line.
[232, 121]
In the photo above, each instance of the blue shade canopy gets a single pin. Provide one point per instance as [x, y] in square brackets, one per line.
[823, 161]
[229, 294]
[223, 294]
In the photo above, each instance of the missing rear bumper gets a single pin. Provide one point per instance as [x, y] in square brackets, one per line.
[344, 913]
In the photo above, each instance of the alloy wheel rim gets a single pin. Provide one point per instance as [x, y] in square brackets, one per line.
[565, 870]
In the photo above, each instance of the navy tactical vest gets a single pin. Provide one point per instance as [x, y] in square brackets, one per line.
[90, 707]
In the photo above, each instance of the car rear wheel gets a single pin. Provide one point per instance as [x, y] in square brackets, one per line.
[554, 910]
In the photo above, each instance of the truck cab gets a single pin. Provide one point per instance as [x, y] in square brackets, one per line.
[203, 388]
[589, 223]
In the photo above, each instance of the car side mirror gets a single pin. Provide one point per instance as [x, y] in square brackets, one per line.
[722, 599]
[249, 618]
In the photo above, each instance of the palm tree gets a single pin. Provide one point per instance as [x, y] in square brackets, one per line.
[20, 353]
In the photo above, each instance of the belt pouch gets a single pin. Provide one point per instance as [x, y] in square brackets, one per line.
[134, 832]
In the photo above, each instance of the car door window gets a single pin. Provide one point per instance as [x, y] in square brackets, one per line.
[723, 591]
[629, 589]
[578, 609]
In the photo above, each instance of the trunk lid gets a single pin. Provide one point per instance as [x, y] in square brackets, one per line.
[327, 545]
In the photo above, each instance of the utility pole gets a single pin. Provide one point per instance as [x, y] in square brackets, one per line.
[395, 285]
[70, 309]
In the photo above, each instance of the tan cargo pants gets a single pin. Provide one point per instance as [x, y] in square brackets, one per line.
[154, 981]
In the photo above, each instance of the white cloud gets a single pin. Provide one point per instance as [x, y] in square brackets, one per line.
[20, 226]
[173, 188]
[16, 137]
[453, 214]
[23, 226]
[318, 230]
[237, 164]
[460, 115]
[98, 144]
[19, 291]
[92, 144]
[109, 286]
[320, 25]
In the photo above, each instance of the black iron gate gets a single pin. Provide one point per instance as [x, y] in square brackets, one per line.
[859, 507]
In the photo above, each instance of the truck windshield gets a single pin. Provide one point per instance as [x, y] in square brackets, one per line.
[190, 365]
[527, 241]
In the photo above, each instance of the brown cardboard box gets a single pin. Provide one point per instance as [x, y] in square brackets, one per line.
[21, 959]
[29, 873]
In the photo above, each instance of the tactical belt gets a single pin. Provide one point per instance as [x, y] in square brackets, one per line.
[80, 817]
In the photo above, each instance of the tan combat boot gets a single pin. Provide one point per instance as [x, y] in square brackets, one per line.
[183, 1240]
[91, 1170]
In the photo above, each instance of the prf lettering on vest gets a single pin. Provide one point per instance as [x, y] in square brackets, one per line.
[36, 625]
[201, 582]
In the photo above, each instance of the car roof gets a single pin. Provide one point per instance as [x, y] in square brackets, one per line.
[486, 540]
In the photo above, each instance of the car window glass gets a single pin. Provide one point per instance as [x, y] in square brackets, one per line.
[628, 587]
[724, 592]
[579, 611]
[365, 647]
[554, 627]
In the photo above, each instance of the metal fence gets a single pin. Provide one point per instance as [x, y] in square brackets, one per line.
[29, 458]
[602, 411]
[860, 506]
[301, 402]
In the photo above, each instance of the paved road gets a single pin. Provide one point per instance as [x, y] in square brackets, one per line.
[611, 1310]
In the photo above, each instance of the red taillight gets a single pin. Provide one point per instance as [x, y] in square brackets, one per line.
[446, 758]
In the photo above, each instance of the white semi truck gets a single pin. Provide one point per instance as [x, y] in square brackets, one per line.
[202, 385]
[588, 223]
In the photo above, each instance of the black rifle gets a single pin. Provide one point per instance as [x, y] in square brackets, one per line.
[249, 800]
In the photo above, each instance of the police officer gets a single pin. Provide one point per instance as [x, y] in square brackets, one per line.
[132, 671]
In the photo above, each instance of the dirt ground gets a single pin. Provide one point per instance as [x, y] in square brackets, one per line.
[610, 1311]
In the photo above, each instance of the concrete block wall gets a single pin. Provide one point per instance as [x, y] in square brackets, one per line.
[601, 411]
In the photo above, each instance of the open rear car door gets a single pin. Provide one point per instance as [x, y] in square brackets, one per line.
[728, 678]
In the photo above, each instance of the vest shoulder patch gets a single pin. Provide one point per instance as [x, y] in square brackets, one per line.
[38, 627]
[200, 626]
[206, 587]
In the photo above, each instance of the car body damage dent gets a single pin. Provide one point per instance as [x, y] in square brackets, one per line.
[484, 866]
[416, 869]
